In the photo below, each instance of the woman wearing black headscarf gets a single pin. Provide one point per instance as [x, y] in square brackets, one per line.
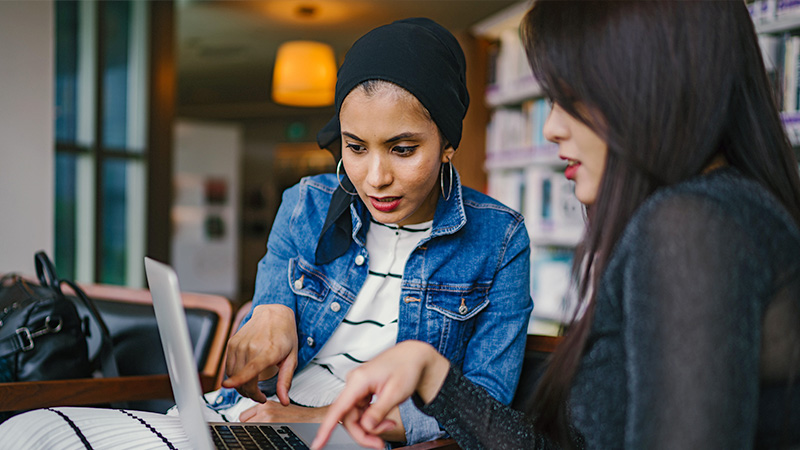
[390, 248]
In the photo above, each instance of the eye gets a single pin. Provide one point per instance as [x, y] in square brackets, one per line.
[356, 148]
[404, 150]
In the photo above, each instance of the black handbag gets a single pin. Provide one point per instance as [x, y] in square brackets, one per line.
[42, 335]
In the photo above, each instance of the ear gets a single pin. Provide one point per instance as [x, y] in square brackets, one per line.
[447, 153]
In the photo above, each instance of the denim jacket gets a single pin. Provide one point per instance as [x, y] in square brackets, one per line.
[465, 290]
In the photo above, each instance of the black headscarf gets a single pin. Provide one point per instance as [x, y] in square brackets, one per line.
[418, 55]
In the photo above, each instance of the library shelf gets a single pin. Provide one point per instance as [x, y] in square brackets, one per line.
[514, 93]
[778, 25]
[524, 170]
[546, 155]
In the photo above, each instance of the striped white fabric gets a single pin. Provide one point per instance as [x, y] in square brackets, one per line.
[370, 326]
[71, 428]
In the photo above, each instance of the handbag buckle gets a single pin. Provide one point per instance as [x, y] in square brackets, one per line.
[48, 327]
[25, 338]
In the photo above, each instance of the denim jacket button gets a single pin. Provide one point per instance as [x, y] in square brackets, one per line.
[359, 260]
[310, 341]
[335, 306]
[463, 308]
[298, 283]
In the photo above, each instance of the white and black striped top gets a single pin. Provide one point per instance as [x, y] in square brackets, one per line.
[370, 326]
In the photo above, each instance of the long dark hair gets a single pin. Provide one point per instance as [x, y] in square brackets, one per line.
[670, 86]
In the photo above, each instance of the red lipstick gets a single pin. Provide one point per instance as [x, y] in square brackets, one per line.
[385, 204]
[569, 172]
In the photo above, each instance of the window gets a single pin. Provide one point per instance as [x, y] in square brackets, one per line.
[100, 131]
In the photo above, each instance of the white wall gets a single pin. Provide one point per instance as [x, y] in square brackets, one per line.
[205, 261]
[26, 133]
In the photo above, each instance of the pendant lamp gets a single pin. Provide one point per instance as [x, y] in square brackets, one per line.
[304, 74]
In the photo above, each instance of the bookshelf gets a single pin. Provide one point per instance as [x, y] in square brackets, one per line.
[523, 168]
[777, 22]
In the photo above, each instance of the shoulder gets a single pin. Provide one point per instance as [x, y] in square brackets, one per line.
[490, 222]
[722, 212]
[477, 203]
[724, 195]
[321, 184]
[308, 201]
[313, 189]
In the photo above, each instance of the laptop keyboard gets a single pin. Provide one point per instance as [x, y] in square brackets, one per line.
[255, 437]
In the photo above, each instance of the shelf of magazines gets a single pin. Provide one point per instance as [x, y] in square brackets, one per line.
[551, 290]
[774, 16]
[513, 92]
[544, 154]
[791, 122]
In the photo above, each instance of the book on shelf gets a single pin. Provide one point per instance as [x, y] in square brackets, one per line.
[510, 79]
[791, 63]
[550, 284]
[781, 8]
[492, 55]
[512, 62]
[508, 187]
[515, 128]
[553, 214]
[767, 10]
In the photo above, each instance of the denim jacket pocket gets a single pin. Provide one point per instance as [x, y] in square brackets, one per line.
[450, 310]
[306, 282]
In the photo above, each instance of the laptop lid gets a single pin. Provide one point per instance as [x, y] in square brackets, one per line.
[176, 342]
[183, 374]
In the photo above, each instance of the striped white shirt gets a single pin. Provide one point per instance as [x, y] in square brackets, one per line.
[370, 325]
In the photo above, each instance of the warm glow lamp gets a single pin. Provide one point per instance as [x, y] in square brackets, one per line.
[304, 74]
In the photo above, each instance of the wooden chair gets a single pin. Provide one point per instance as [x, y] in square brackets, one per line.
[143, 382]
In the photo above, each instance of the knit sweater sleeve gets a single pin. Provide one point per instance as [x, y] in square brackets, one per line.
[476, 420]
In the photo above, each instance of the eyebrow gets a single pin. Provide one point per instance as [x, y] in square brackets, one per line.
[399, 137]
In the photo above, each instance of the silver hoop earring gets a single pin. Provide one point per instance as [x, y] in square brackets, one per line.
[339, 179]
[441, 180]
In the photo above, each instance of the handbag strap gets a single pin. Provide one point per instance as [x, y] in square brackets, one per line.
[108, 363]
[46, 272]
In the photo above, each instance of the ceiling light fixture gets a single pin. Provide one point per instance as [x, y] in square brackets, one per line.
[304, 74]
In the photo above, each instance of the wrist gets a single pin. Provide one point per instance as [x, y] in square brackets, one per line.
[433, 375]
[273, 309]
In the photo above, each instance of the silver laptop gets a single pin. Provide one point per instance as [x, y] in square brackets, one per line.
[184, 377]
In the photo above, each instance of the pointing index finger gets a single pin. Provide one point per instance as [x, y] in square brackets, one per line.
[347, 401]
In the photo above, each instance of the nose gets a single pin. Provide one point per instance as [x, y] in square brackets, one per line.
[555, 129]
[379, 173]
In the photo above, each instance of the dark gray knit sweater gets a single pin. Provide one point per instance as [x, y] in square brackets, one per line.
[695, 336]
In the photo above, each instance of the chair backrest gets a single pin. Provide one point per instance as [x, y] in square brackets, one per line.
[537, 349]
[241, 312]
[131, 321]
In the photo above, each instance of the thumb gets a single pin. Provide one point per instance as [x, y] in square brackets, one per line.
[374, 417]
[285, 373]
